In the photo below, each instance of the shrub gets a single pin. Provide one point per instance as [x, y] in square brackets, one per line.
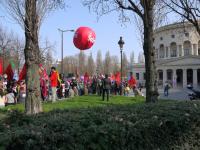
[164, 125]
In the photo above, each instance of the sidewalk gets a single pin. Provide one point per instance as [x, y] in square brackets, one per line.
[174, 94]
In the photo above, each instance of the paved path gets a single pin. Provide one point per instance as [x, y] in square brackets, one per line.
[174, 94]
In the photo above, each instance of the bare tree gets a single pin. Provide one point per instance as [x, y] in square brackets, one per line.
[115, 64]
[18, 46]
[145, 10]
[70, 64]
[5, 42]
[141, 58]
[132, 58]
[99, 62]
[46, 53]
[81, 62]
[91, 65]
[48, 59]
[188, 10]
[11, 48]
[29, 14]
[107, 63]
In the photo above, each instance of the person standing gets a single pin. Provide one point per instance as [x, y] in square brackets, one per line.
[166, 89]
[132, 83]
[106, 87]
[99, 86]
[54, 82]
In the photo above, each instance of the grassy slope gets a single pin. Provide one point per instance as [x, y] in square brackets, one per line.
[82, 102]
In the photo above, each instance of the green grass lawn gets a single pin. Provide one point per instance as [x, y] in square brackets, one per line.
[80, 102]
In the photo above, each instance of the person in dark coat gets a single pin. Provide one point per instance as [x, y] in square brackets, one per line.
[166, 88]
[106, 87]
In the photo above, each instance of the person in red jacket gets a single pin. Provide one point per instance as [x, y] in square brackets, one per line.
[54, 82]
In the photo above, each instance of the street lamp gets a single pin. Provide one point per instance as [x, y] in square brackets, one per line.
[121, 44]
[62, 31]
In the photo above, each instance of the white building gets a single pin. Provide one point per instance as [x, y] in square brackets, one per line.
[177, 48]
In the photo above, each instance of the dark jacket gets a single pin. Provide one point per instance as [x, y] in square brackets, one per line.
[106, 84]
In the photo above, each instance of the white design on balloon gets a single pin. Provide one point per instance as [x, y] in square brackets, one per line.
[91, 38]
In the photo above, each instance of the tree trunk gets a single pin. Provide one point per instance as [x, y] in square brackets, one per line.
[151, 75]
[32, 60]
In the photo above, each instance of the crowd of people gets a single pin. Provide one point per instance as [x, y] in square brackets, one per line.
[11, 91]
[56, 86]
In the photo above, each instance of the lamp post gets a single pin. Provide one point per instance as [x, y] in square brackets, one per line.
[121, 44]
[62, 31]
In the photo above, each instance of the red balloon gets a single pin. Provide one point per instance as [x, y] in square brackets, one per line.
[84, 38]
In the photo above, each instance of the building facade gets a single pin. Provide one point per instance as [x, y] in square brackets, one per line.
[177, 49]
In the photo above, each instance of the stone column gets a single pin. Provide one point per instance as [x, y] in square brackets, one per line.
[195, 49]
[164, 76]
[180, 47]
[192, 50]
[169, 54]
[182, 50]
[177, 51]
[184, 78]
[195, 78]
[174, 77]
[166, 52]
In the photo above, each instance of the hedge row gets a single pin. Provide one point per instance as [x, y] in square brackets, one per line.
[165, 125]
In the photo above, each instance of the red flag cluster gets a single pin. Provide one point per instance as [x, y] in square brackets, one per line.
[86, 78]
[1, 66]
[9, 72]
[116, 77]
[22, 74]
[132, 82]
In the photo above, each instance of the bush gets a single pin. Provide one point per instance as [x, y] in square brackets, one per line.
[164, 125]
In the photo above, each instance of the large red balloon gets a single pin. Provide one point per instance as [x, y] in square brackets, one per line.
[84, 38]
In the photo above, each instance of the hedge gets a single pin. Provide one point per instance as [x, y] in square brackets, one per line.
[164, 125]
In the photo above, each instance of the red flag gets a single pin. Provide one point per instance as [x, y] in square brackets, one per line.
[1, 66]
[9, 72]
[112, 77]
[118, 77]
[22, 74]
[132, 82]
[86, 78]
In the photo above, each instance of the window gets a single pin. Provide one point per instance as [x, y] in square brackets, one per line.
[137, 76]
[187, 48]
[169, 75]
[186, 52]
[195, 52]
[166, 51]
[160, 75]
[173, 50]
[144, 76]
[186, 34]
[161, 38]
[173, 36]
[198, 51]
[173, 53]
[162, 51]
[180, 50]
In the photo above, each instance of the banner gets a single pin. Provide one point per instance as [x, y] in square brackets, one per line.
[118, 77]
[9, 72]
[22, 74]
[1, 66]
[86, 78]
